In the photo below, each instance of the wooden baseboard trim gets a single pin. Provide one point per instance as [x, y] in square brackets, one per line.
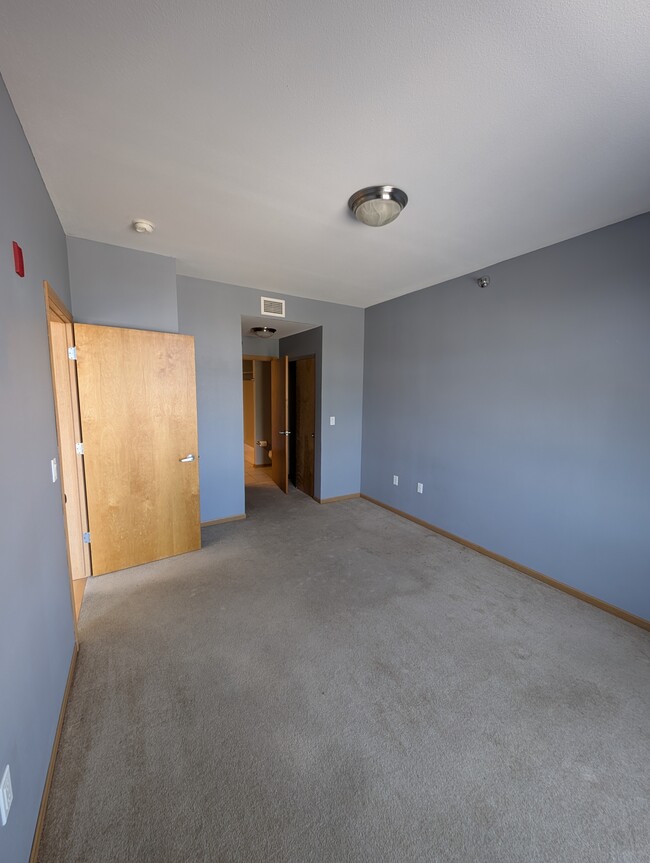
[526, 570]
[337, 499]
[50, 770]
[223, 520]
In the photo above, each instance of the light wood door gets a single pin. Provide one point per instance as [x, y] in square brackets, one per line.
[305, 424]
[280, 422]
[137, 394]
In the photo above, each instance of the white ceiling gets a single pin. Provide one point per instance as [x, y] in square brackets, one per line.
[241, 127]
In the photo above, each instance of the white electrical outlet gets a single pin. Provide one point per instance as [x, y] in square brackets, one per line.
[332, 421]
[6, 795]
[420, 488]
[395, 479]
[55, 470]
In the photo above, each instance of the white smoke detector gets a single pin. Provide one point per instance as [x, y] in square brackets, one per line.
[143, 226]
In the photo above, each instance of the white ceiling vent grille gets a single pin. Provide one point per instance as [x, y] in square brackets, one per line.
[273, 308]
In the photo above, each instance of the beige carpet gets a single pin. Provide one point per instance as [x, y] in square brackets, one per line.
[334, 683]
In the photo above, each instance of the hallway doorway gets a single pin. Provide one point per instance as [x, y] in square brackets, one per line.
[281, 407]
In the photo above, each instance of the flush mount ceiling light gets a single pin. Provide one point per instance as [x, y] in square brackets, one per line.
[263, 332]
[378, 205]
[143, 226]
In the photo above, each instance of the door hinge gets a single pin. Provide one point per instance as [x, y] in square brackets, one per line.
[87, 538]
[80, 448]
[72, 353]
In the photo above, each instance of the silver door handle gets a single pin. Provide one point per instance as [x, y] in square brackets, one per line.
[286, 433]
[189, 457]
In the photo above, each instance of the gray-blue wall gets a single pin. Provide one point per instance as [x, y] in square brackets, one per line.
[524, 408]
[211, 312]
[36, 628]
[120, 287]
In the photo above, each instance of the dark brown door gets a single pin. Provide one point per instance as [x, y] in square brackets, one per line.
[280, 422]
[305, 424]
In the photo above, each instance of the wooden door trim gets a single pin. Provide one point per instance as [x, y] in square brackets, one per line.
[57, 312]
[56, 308]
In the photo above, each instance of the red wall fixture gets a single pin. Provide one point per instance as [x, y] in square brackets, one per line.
[19, 263]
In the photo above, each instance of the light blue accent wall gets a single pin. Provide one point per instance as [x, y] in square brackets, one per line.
[36, 628]
[303, 345]
[524, 408]
[211, 312]
[119, 287]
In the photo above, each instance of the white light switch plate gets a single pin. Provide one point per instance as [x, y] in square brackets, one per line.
[55, 470]
[6, 795]
[420, 488]
[395, 479]
[332, 421]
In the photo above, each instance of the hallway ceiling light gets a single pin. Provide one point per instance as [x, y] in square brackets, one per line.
[263, 332]
[378, 205]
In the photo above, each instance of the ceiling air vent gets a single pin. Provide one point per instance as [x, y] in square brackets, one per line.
[273, 308]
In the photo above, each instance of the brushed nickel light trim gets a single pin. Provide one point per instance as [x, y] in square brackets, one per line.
[263, 332]
[375, 205]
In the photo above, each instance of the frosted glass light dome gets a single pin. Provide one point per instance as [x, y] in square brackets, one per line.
[378, 205]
